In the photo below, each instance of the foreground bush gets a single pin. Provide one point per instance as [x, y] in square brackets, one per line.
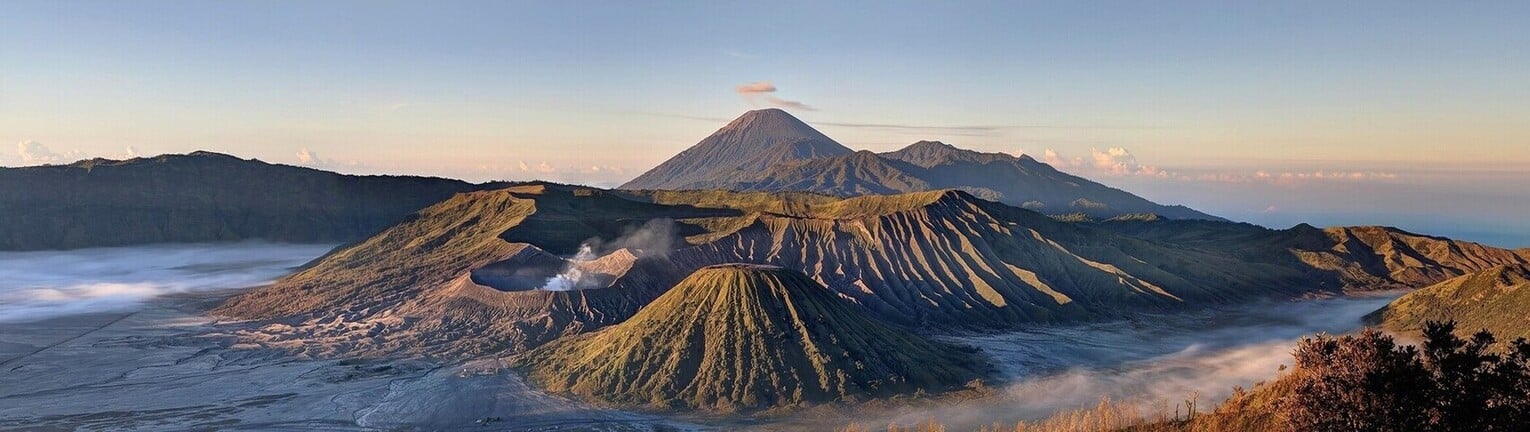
[1368, 382]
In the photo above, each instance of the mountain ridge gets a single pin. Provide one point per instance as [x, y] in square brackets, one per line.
[937, 261]
[715, 163]
[1494, 299]
[201, 197]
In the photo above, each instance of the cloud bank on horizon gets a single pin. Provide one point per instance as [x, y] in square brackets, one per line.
[1119, 162]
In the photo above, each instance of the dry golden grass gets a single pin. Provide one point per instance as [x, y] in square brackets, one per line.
[1492, 299]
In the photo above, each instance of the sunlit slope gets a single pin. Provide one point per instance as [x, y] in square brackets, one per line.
[462, 277]
[1496, 299]
[948, 258]
[1391, 255]
[1363, 257]
[426, 285]
[748, 337]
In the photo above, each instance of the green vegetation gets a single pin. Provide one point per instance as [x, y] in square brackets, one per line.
[744, 338]
[1447, 383]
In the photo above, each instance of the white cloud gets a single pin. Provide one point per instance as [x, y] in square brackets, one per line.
[564, 172]
[540, 168]
[306, 157]
[1119, 161]
[1051, 157]
[1334, 175]
[311, 159]
[738, 54]
[130, 152]
[34, 153]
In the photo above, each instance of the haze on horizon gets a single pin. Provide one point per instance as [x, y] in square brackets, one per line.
[1407, 114]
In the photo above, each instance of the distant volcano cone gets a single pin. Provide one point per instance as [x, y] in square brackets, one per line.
[744, 337]
[742, 149]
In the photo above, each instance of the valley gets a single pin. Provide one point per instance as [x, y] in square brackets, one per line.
[204, 375]
[766, 279]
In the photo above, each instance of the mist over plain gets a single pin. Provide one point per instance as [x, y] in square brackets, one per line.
[48, 284]
[1150, 360]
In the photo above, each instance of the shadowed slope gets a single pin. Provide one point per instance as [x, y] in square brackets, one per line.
[749, 144]
[1496, 299]
[1024, 181]
[201, 197]
[1363, 257]
[745, 337]
[859, 173]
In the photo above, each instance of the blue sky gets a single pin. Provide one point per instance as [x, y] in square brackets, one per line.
[1403, 113]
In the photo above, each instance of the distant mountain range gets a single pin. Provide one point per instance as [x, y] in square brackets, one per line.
[206, 197]
[770, 150]
[201, 197]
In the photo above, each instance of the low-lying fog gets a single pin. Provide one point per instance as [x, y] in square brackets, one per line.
[90, 372]
[47, 284]
[1149, 360]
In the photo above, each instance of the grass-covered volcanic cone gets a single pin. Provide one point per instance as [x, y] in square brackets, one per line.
[747, 337]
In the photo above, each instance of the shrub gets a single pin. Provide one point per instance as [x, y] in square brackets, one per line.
[1368, 382]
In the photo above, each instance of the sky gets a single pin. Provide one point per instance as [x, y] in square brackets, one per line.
[1411, 114]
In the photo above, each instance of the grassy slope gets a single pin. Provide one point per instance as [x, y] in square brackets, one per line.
[1496, 299]
[439, 244]
[735, 338]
